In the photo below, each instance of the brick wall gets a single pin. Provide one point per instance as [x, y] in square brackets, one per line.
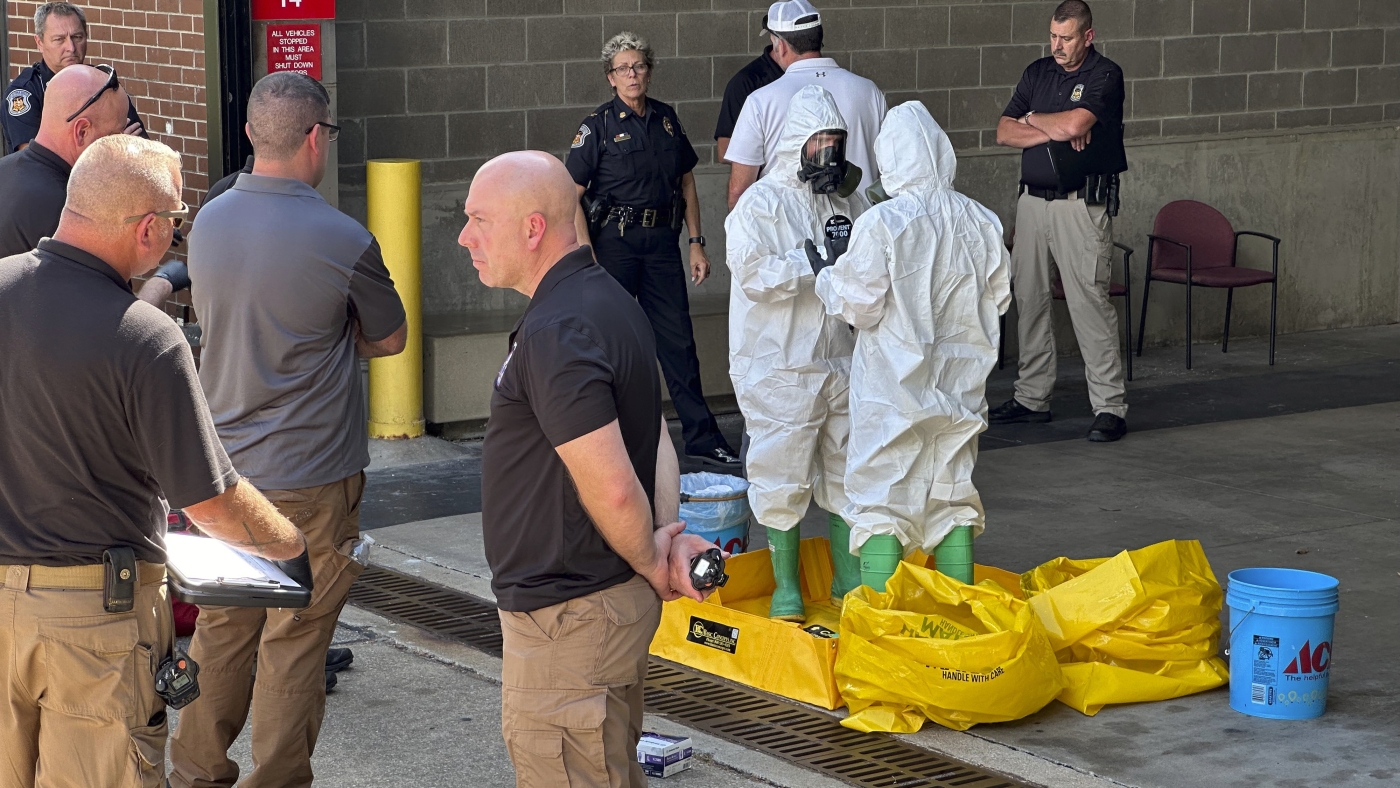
[157, 47]
[456, 81]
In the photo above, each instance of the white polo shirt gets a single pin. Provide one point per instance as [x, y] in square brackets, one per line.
[760, 124]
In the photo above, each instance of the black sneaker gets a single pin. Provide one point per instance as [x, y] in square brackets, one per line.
[331, 681]
[1107, 428]
[338, 659]
[720, 457]
[1013, 412]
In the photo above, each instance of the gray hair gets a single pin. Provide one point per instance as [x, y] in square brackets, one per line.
[41, 16]
[120, 176]
[281, 109]
[621, 43]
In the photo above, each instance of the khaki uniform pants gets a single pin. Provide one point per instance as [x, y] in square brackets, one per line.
[80, 707]
[571, 695]
[288, 698]
[1080, 237]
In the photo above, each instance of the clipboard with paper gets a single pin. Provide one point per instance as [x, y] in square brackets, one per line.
[206, 571]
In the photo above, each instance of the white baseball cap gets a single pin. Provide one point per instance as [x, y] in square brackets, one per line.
[789, 16]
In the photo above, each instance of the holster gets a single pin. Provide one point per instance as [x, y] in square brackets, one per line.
[1102, 190]
[595, 210]
[119, 580]
[677, 210]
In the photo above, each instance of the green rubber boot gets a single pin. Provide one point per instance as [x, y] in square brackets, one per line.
[787, 597]
[879, 557]
[953, 555]
[847, 567]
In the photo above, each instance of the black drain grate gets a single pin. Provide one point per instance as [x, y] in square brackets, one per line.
[742, 715]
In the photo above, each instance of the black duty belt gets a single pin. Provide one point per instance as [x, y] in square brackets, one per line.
[1051, 195]
[646, 217]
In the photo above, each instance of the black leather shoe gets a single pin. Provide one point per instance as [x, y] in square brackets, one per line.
[338, 659]
[1013, 412]
[721, 458]
[331, 681]
[1107, 428]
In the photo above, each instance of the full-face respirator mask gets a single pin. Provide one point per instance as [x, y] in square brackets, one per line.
[824, 167]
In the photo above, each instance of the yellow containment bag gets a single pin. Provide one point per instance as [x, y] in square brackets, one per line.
[730, 634]
[1143, 625]
[932, 647]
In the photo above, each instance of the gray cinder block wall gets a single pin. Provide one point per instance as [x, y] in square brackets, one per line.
[1232, 101]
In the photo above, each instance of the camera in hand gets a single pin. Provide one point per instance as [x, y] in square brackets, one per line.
[177, 680]
[707, 570]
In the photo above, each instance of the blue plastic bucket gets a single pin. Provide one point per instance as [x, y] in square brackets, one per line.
[716, 506]
[1280, 642]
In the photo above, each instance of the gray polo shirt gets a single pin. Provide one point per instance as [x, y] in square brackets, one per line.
[282, 278]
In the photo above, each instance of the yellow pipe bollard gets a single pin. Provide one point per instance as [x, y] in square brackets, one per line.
[395, 218]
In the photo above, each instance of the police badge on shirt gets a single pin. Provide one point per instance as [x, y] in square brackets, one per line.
[19, 102]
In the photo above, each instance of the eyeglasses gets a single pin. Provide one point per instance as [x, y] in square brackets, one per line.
[177, 217]
[334, 129]
[631, 68]
[110, 84]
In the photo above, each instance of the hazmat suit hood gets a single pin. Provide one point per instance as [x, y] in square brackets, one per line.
[811, 110]
[913, 152]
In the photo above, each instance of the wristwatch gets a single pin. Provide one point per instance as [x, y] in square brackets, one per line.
[699, 239]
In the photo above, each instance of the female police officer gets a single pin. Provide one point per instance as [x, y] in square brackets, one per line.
[632, 163]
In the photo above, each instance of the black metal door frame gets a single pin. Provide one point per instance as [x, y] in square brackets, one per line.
[235, 80]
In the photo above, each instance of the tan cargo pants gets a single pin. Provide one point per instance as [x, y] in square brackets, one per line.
[80, 707]
[1080, 237]
[572, 680]
[288, 698]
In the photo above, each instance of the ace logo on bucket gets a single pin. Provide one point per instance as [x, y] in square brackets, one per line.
[1310, 664]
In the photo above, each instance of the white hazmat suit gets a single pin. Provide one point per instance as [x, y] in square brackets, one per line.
[924, 282]
[790, 362]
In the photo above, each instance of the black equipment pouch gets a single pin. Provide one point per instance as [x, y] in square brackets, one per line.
[1113, 186]
[1102, 190]
[119, 580]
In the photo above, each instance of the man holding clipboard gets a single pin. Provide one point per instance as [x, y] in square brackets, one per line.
[103, 415]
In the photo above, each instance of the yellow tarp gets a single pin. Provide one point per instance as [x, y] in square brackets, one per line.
[931, 647]
[1143, 625]
[730, 634]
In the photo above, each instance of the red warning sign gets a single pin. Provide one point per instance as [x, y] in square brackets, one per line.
[268, 10]
[295, 48]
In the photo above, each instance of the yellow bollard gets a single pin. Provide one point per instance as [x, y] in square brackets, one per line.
[395, 218]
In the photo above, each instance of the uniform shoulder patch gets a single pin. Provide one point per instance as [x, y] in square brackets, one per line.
[1078, 93]
[19, 102]
[583, 132]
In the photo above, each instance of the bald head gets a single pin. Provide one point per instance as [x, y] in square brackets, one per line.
[520, 219]
[65, 94]
[117, 186]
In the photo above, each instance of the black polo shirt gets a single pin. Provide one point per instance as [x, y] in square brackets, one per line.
[582, 356]
[33, 189]
[1097, 85]
[636, 160]
[759, 72]
[24, 106]
[101, 413]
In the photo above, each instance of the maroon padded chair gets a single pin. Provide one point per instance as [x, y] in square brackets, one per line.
[1193, 244]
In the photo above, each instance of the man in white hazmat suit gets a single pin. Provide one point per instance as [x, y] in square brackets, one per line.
[924, 282]
[789, 361]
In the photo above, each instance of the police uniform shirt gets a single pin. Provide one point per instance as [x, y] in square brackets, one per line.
[637, 161]
[1097, 85]
[24, 100]
[760, 124]
[582, 357]
[759, 72]
[101, 411]
[33, 189]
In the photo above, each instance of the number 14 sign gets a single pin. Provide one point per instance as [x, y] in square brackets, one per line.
[266, 10]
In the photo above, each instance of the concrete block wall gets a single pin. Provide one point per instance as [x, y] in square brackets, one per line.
[454, 82]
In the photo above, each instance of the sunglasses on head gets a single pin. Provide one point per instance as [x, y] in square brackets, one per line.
[111, 84]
